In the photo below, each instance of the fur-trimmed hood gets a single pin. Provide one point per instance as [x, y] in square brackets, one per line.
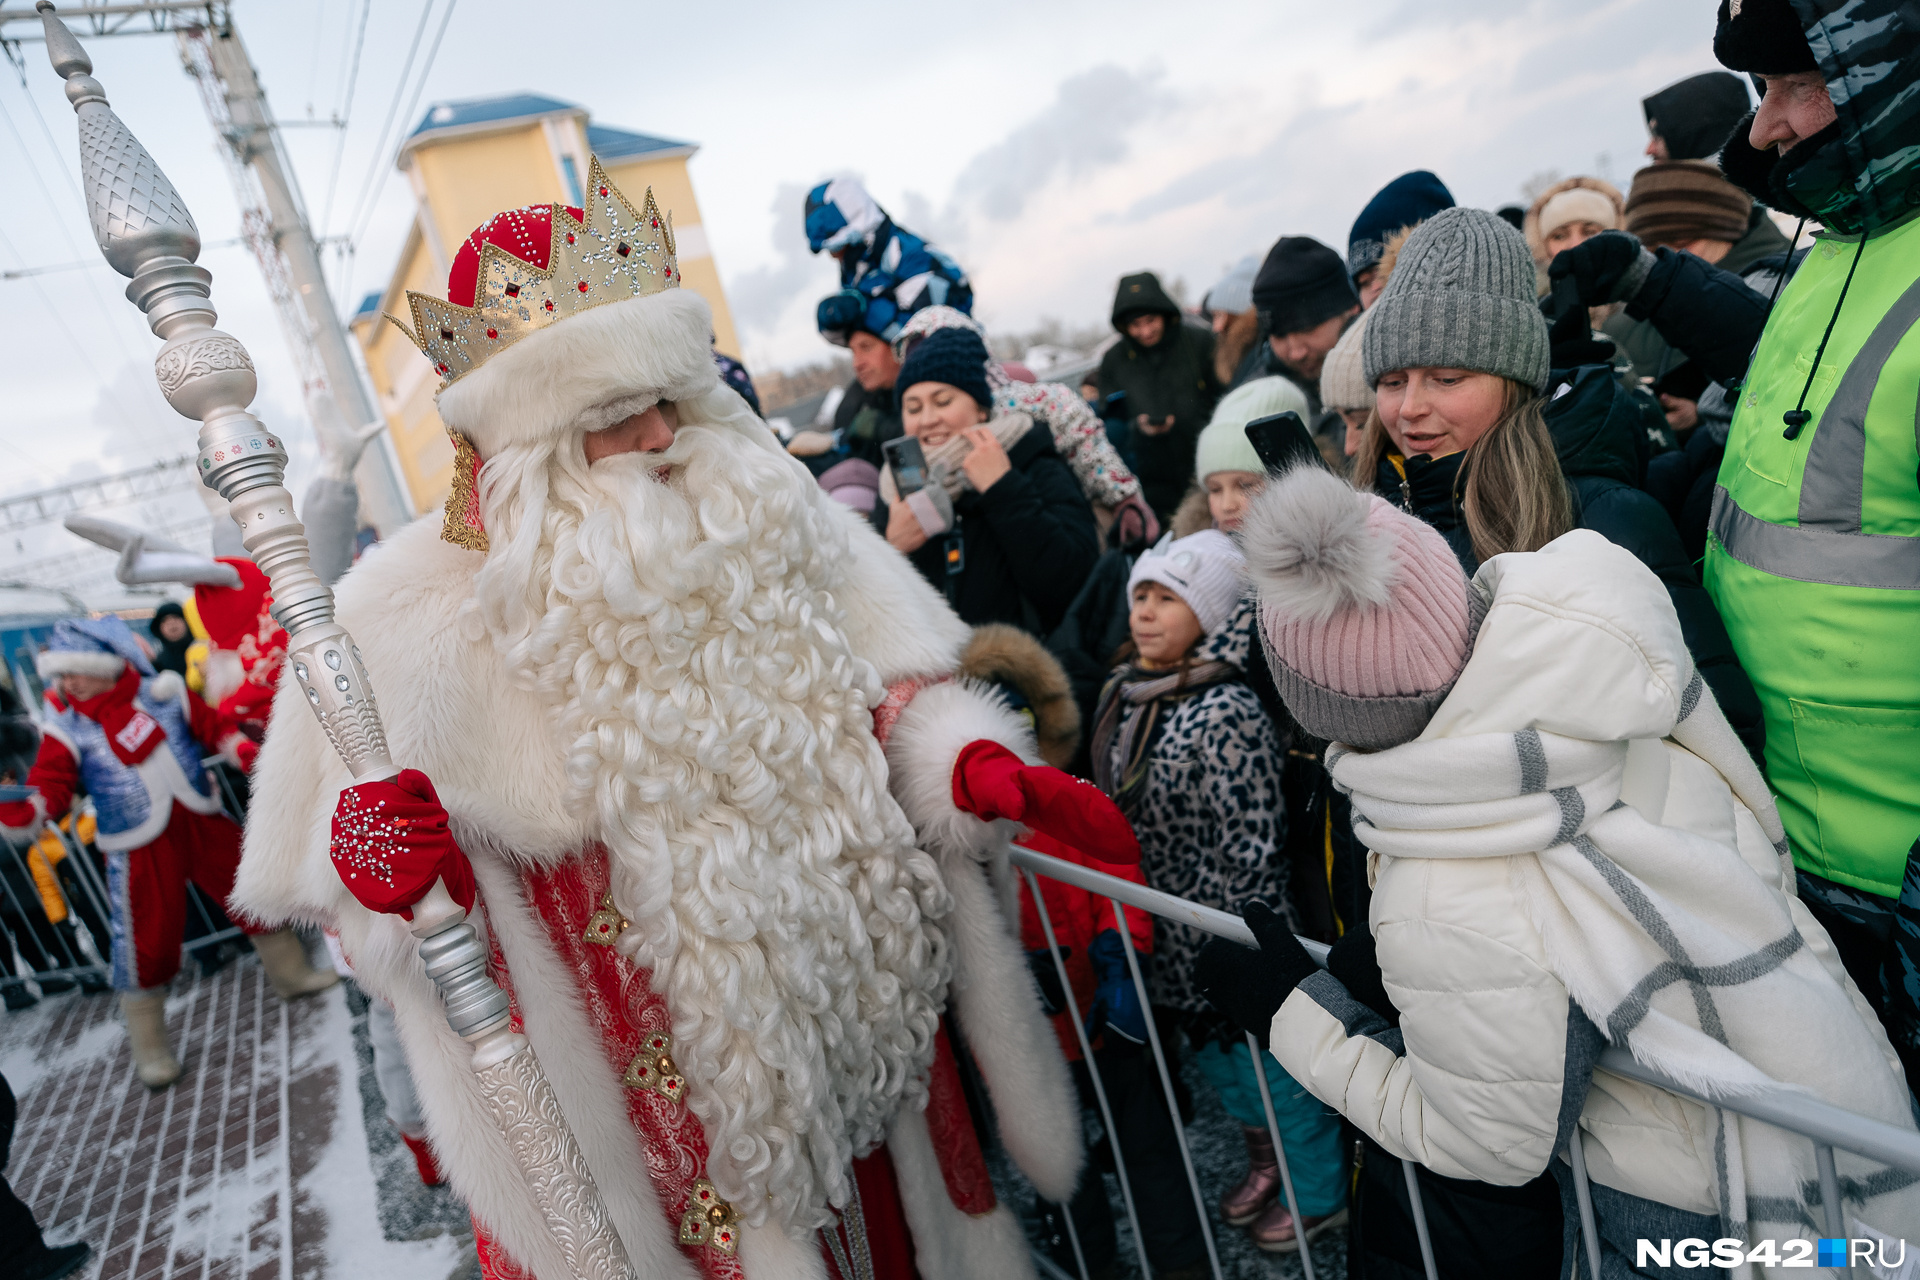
[625, 355]
[1002, 654]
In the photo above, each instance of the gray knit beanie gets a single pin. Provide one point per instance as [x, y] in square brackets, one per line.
[1461, 297]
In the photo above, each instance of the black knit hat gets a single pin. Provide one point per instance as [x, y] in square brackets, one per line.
[1301, 285]
[954, 356]
[1765, 37]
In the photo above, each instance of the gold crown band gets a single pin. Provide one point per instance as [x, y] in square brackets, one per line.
[619, 252]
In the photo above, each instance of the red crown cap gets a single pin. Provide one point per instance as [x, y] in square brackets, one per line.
[526, 233]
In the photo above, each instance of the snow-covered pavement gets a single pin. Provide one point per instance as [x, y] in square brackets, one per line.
[255, 1165]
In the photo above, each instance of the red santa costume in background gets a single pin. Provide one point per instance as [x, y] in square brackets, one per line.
[246, 647]
[135, 747]
[695, 726]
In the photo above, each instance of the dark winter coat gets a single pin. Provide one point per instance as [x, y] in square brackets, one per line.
[1174, 377]
[1682, 479]
[866, 420]
[1652, 354]
[1089, 635]
[1024, 547]
[1599, 431]
[1711, 316]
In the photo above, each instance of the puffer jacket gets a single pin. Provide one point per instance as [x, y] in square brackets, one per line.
[1600, 434]
[1492, 1063]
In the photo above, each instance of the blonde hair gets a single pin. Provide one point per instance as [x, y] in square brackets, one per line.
[1515, 498]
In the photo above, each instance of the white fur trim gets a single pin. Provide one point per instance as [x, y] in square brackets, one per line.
[230, 749]
[168, 686]
[949, 1244]
[1310, 552]
[997, 1007]
[79, 662]
[894, 617]
[472, 1150]
[38, 803]
[165, 782]
[220, 674]
[543, 385]
[768, 1253]
[926, 741]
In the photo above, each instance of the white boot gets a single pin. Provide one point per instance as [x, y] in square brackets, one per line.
[285, 959]
[146, 1015]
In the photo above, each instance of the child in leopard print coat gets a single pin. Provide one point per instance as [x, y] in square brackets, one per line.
[1186, 750]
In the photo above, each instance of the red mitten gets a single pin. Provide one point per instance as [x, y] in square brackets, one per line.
[244, 752]
[390, 843]
[991, 782]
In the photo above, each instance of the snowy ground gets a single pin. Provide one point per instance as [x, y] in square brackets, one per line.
[256, 1164]
[272, 1158]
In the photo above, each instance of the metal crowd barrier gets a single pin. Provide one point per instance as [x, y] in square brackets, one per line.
[36, 947]
[1827, 1126]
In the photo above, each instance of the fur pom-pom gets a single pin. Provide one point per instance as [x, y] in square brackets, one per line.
[1310, 550]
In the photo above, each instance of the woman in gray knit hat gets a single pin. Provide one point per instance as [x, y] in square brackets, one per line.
[1457, 353]
[1472, 432]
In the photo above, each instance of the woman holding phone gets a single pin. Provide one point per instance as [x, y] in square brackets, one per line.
[984, 506]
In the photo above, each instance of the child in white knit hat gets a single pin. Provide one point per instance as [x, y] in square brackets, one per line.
[1185, 749]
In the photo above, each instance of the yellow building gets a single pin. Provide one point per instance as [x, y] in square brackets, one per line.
[469, 160]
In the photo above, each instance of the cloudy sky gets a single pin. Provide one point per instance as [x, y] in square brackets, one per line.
[1051, 148]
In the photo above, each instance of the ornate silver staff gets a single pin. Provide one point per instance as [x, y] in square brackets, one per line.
[144, 230]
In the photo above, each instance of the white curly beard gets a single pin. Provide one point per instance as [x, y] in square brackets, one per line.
[718, 725]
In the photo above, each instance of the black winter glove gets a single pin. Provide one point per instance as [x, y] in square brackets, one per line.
[1609, 267]
[1355, 962]
[1250, 986]
[1053, 996]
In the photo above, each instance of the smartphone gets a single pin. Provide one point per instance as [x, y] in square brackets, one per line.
[1283, 442]
[908, 461]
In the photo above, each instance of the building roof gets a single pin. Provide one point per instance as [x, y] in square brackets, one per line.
[475, 111]
[478, 115]
[624, 144]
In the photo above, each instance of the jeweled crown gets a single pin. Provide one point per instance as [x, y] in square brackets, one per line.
[619, 252]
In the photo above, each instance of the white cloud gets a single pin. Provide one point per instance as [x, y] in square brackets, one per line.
[1084, 128]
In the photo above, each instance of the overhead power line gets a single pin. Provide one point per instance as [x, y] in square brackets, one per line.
[345, 114]
[88, 264]
[419, 87]
[380, 139]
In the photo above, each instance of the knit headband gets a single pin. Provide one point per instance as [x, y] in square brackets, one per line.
[1578, 204]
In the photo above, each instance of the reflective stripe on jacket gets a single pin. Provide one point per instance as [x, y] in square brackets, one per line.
[1814, 555]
